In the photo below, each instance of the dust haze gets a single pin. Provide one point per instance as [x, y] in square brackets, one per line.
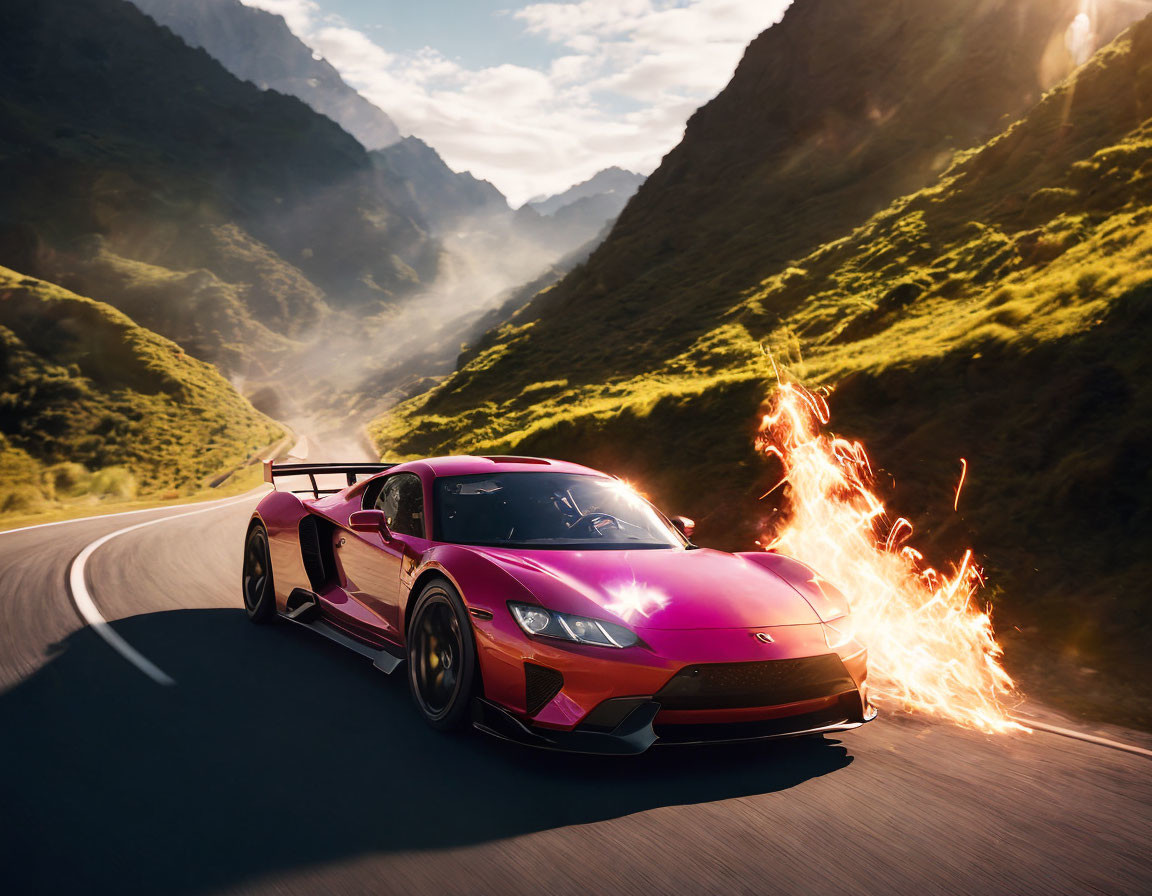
[353, 367]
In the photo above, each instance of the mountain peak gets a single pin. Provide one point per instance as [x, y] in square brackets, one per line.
[616, 181]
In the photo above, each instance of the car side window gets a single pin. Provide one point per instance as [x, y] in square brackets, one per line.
[402, 500]
[371, 493]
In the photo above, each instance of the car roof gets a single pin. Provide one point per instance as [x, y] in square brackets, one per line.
[468, 465]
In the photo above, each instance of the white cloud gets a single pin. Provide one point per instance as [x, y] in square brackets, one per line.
[627, 75]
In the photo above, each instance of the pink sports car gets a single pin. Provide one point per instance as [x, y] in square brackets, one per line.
[550, 604]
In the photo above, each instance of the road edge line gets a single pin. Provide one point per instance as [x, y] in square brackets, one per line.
[110, 516]
[1086, 738]
[85, 604]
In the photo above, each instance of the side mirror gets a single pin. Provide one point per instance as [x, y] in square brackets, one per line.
[685, 525]
[370, 521]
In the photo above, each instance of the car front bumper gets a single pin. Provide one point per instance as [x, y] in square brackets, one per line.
[679, 686]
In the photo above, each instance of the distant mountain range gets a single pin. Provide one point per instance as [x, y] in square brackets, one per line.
[902, 201]
[258, 46]
[613, 183]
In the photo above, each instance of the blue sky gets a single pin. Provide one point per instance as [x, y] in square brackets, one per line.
[478, 33]
[535, 96]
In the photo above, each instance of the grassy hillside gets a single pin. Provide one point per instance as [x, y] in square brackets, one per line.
[114, 131]
[833, 113]
[1001, 314]
[94, 407]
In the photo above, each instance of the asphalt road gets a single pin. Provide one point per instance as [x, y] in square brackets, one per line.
[279, 764]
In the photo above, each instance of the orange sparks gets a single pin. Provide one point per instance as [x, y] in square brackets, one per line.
[931, 647]
[960, 484]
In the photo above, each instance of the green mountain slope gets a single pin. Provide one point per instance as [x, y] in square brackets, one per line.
[1001, 314]
[94, 406]
[112, 127]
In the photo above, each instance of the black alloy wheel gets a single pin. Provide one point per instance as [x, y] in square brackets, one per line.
[256, 581]
[441, 656]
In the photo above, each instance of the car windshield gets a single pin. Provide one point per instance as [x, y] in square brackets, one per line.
[548, 510]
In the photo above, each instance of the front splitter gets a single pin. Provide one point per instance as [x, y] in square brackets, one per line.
[637, 732]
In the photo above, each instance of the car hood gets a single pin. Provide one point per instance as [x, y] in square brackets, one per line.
[657, 589]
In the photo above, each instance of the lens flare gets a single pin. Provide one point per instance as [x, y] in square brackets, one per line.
[931, 648]
[633, 601]
[1080, 37]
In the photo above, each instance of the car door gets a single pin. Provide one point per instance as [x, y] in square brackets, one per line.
[373, 569]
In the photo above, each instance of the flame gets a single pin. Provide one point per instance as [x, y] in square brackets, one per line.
[960, 484]
[931, 648]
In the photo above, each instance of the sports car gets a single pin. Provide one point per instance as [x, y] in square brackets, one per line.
[551, 604]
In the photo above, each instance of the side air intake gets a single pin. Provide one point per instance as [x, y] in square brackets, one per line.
[316, 552]
[541, 684]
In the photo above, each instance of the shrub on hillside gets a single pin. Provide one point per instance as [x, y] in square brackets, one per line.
[113, 482]
[21, 498]
[66, 479]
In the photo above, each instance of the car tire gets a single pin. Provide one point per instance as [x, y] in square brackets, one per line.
[441, 657]
[256, 585]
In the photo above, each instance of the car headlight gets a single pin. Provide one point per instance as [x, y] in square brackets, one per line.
[549, 624]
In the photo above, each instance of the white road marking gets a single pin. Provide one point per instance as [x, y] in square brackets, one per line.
[86, 605]
[1086, 738]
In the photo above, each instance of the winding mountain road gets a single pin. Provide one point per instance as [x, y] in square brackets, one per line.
[277, 763]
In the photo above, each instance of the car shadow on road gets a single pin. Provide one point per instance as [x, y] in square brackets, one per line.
[277, 751]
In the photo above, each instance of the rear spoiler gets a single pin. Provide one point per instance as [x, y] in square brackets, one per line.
[273, 471]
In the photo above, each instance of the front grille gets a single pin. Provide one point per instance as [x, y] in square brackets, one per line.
[541, 684]
[743, 685]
